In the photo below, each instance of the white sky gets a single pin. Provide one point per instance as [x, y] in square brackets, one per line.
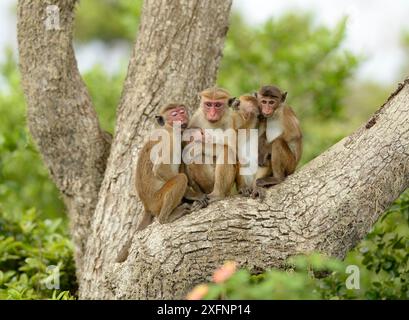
[374, 29]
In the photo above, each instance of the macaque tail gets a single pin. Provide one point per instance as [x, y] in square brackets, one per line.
[145, 221]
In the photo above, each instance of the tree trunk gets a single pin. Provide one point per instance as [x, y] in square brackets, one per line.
[61, 117]
[176, 55]
[328, 205]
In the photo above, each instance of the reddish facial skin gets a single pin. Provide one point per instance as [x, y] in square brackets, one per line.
[214, 109]
[269, 105]
[178, 114]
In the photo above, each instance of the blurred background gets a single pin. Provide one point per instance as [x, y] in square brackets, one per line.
[339, 61]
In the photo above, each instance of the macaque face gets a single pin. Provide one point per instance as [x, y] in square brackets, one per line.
[249, 108]
[178, 114]
[268, 105]
[213, 109]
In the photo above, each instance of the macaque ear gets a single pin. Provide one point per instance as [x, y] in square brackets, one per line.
[160, 120]
[234, 104]
[284, 96]
[255, 94]
[231, 101]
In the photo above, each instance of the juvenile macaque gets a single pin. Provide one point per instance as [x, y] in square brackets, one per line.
[161, 186]
[215, 174]
[280, 142]
[246, 118]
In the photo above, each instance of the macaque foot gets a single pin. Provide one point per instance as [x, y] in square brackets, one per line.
[200, 204]
[246, 191]
[258, 192]
[215, 197]
[180, 211]
[268, 182]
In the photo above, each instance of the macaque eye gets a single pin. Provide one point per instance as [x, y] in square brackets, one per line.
[173, 113]
[182, 111]
[263, 101]
[218, 105]
[272, 102]
[208, 104]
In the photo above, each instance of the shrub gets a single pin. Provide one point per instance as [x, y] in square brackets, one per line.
[32, 251]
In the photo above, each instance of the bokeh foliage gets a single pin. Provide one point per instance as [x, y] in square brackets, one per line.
[293, 51]
[24, 181]
[107, 20]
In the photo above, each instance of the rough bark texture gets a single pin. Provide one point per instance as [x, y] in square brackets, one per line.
[327, 206]
[176, 55]
[61, 117]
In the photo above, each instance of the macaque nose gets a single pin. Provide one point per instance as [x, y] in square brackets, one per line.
[267, 111]
[213, 112]
[181, 118]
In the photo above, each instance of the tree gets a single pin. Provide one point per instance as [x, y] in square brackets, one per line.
[328, 205]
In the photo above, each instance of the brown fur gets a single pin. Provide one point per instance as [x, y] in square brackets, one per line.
[284, 152]
[246, 117]
[215, 93]
[161, 187]
[216, 180]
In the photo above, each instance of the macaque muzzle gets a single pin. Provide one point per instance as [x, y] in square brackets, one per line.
[267, 111]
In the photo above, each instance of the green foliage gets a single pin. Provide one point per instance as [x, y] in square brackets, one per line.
[382, 260]
[105, 90]
[291, 51]
[405, 45]
[29, 245]
[91, 22]
[294, 53]
[24, 181]
[296, 283]
[385, 254]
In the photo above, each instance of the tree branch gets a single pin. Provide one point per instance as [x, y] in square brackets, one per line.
[328, 206]
[61, 117]
[176, 55]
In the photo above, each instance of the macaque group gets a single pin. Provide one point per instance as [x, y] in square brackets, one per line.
[253, 142]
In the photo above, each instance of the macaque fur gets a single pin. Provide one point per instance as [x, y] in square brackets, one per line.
[161, 187]
[280, 137]
[246, 117]
[215, 178]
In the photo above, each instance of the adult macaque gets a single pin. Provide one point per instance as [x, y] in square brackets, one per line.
[280, 143]
[215, 173]
[246, 118]
[161, 186]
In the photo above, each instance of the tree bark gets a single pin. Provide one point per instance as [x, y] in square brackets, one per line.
[176, 55]
[327, 206]
[61, 117]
